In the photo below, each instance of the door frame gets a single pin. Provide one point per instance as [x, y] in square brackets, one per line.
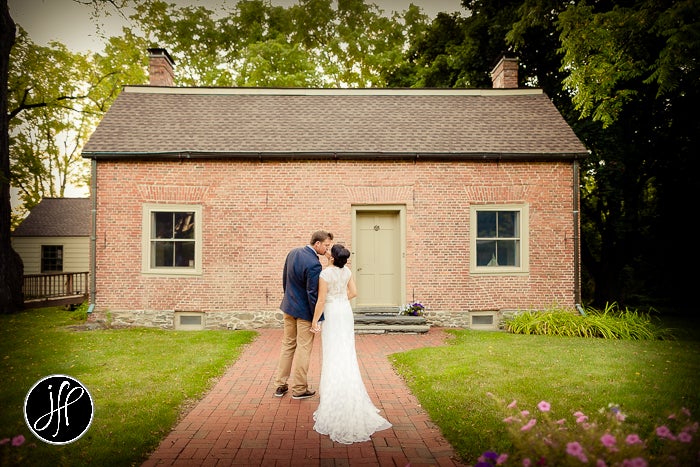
[399, 209]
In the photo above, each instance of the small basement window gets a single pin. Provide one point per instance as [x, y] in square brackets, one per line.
[483, 320]
[189, 321]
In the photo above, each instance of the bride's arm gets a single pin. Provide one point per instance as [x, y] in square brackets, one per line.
[320, 303]
[352, 289]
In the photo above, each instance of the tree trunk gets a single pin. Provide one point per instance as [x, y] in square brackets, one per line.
[11, 268]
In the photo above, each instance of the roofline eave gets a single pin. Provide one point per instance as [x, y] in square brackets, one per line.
[335, 155]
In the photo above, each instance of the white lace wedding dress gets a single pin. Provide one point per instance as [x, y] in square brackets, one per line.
[345, 412]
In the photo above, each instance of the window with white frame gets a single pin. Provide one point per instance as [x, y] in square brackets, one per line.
[172, 239]
[499, 238]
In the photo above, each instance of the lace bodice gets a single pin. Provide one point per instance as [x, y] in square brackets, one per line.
[337, 279]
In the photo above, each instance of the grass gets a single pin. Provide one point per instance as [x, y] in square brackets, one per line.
[140, 380]
[456, 384]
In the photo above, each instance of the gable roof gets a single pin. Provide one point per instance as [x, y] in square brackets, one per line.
[57, 217]
[152, 121]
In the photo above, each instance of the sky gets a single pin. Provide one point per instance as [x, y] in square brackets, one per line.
[70, 22]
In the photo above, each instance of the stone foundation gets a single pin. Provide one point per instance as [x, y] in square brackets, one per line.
[267, 319]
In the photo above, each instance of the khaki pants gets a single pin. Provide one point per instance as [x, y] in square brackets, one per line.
[297, 343]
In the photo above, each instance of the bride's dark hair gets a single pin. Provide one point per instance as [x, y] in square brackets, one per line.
[340, 255]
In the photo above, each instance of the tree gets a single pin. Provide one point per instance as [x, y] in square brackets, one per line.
[633, 68]
[11, 268]
[625, 77]
[309, 44]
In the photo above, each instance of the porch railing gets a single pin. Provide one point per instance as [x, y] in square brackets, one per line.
[55, 289]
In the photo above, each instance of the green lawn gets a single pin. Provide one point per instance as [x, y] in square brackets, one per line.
[139, 380]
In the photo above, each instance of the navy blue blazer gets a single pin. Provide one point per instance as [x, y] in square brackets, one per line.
[302, 269]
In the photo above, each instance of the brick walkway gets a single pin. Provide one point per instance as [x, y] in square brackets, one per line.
[240, 422]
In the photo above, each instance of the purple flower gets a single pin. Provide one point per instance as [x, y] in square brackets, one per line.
[490, 455]
[18, 440]
[544, 406]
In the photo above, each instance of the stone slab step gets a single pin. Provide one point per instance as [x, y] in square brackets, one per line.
[388, 319]
[383, 328]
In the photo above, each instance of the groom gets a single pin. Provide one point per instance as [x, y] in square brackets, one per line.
[300, 284]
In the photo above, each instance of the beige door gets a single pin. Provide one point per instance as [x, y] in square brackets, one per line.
[377, 259]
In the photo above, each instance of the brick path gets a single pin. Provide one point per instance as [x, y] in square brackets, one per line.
[240, 422]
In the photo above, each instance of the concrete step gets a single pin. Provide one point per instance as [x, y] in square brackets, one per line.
[391, 328]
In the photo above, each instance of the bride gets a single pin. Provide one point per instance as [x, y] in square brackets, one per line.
[345, 412]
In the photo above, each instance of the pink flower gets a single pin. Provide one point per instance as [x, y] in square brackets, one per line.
[513, 404]
[576, 450]
[608, 440]
[18, 440]
[561, 421]
[664, 432]
[685, 437]
[636, 462]
[582, 419]
[527, 462]
[525, 413]
[529, 425]
[502, 459]
[600, 463]
[4, 441]
[685, 412]
[633, 439]
[508, 419]
[579, 414]
[544, 406]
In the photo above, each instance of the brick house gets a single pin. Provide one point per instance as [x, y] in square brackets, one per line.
[463, 199]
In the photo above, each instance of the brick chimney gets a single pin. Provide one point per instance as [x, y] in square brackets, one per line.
[160, 67]
[505, 74]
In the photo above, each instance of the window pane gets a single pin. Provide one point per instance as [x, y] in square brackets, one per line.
[184, 225]
[486, 224]
[162, 225]
[162, 254]
[508, 224]
[508, 252]
[184, 254]
[486, 253]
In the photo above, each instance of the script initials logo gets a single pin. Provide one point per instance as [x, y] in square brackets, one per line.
[58, 409]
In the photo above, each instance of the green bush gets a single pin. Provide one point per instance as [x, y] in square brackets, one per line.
[610, 323]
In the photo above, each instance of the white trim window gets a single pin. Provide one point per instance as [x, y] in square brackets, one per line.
[499, 239]
[172, 239]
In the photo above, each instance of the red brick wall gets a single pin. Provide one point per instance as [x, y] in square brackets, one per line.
[254, 212]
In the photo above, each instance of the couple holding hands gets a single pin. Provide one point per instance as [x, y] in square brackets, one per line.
[313, 295]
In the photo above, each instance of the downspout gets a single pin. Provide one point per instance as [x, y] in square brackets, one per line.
[93, 232]
[577, 227]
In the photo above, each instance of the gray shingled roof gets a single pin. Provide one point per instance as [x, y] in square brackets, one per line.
[243, 122]
[57, 217]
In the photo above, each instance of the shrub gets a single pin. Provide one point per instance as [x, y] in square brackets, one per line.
[610, 323]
